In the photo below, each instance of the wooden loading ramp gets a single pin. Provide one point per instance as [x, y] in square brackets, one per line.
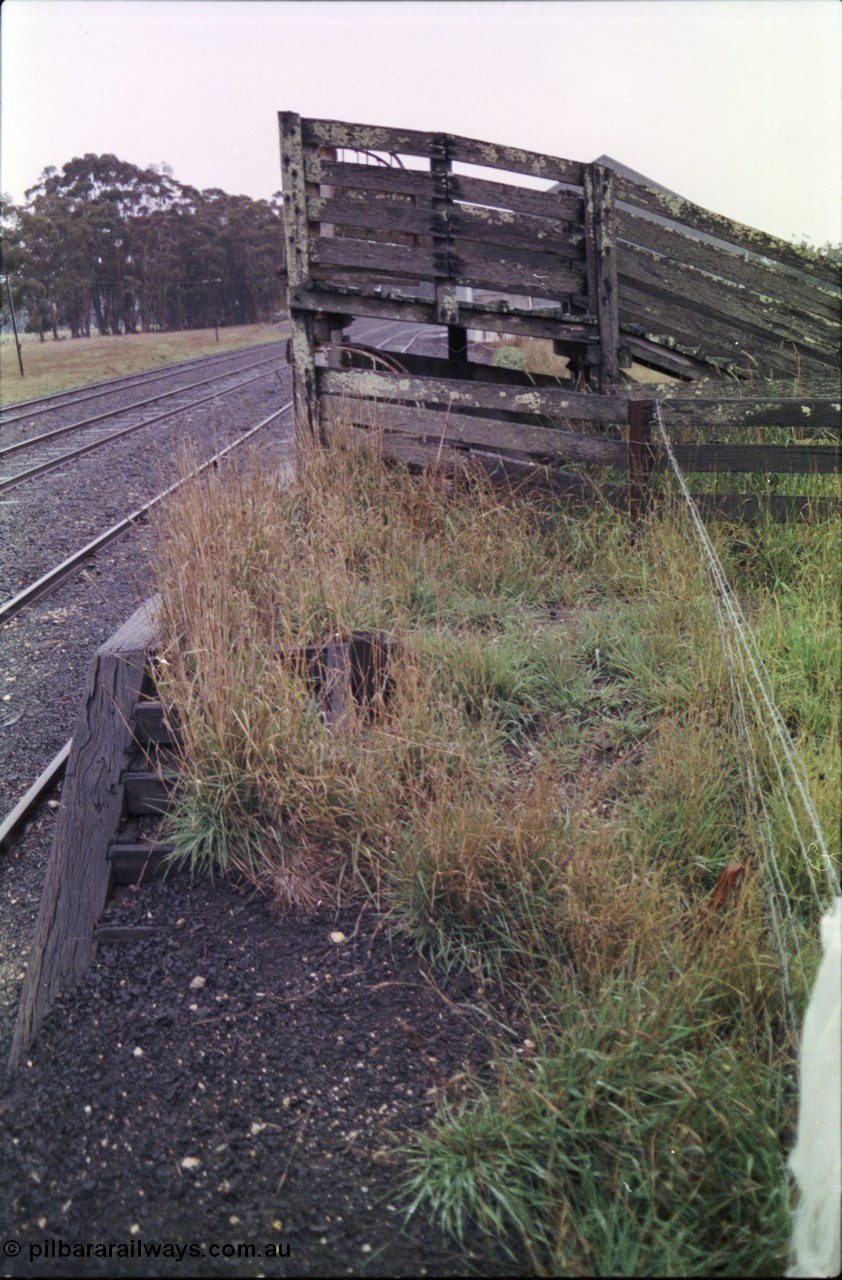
[600, 264]
[84, 863]
[120, 778]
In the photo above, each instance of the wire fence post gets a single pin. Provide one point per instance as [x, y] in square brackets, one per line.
[639, 418]
[14, 325]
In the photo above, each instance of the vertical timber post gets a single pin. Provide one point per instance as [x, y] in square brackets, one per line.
[79, 874]
[14, 324]
[639, 458]
[601, 253]
[296, 235]
[327, 329]
[447, 304]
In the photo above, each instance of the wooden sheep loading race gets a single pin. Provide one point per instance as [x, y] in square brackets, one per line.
[607, 268]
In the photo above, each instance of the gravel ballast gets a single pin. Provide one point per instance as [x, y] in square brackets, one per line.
[236, 1080]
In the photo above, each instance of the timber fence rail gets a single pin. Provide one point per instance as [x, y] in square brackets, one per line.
[379, 224]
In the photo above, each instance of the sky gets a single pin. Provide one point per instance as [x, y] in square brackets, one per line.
[736, 104]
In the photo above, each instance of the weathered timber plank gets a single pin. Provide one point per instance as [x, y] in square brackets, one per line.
[537, 275]
[539, 323]
[131, 863]
[517, 230]
[698, 218]
[754, 312]
[358, 298]
[792, 458]
[530, 478]
[714, 340]
[502, 278]
[545, 481]
[770, 279]
[362, 137]
[801, 413]
[459, 392]
[348, 178]
[377, 215]
[522, 268]
[599, 189]
[486, 226]
[391, 303]
[635, 324]
[747, 507]
[526, 478]
[148, 792]
[662, 317]
[152, 722]
[78, 875]
[385, 259]
[558, 205]
[662, 360]
[382, 235]
[488, 433]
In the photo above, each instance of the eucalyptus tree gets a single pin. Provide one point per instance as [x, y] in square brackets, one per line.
[102, 240]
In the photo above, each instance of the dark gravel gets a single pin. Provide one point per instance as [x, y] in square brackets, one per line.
[279, 1060]
[238, 1078]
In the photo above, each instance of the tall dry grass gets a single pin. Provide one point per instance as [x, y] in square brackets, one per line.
[551, 800]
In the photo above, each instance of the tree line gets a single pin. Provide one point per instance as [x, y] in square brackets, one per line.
[106, 244]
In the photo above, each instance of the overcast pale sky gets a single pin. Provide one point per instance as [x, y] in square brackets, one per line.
[736, 104]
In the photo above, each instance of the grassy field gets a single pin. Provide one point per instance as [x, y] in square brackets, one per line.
[553, 798]
[59, 366]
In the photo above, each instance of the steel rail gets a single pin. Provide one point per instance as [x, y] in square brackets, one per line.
[59, 574]
[20, 409]
[55, 577]
[53, 464]
[13, 821]
[31, 441]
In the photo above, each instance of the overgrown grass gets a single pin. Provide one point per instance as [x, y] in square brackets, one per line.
[59, 366]
[549, 798]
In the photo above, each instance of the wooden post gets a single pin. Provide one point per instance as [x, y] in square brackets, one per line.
[301, 344]
[447, 304]
[601, 254]
[14, 325]
[79, 874]
[639, 457]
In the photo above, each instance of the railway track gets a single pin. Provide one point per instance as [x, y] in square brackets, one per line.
[26, 458]
[81, 433]
[19, 410]
[56, 577]
[79, 580]
[95, 490]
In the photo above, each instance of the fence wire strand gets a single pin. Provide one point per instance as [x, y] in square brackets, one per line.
[754, 703]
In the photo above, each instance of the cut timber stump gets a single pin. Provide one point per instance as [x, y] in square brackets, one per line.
[79, 873]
